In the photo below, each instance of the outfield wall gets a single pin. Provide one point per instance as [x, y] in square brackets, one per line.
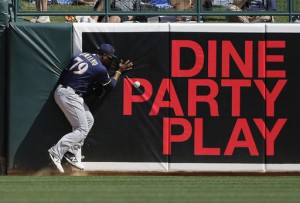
[3, 40]
[213, 97]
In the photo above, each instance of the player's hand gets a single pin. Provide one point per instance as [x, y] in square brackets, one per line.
[125, 66]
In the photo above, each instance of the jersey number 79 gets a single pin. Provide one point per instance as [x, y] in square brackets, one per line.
[79, 66]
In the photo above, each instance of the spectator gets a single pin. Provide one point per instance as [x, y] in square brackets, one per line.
[296, 19]
[81, 18]
[260, 5]
[116, 5]
[271, 5]
[41, 5]
[181, 5]
[178, 5]
[207, 6]
[161, 4]
[85, 2]
[237, 6]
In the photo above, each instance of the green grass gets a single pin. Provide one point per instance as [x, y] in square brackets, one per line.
[146, 189]
[25, 6]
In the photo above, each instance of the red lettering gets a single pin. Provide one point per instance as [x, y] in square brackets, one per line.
[229, 51]
[129, 98]
[169, 138]
[166, 86]
[275, 58]
[261, 72]
[270, 136]
[263, 58]
[176, 70]
[270, 97]
[199, 149]
[241, 126]
[236, 85]
[193, 98]
[212, 59]
[236, 140]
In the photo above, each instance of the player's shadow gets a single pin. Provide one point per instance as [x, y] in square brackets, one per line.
[49, 126]
[46, 130]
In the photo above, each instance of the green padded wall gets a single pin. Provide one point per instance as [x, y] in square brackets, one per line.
[3, 40]
[37, 55]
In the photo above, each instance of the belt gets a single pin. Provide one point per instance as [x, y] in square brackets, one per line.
[70, 88]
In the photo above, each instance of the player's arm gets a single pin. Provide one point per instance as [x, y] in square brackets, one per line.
[112, 82]
[123, 66]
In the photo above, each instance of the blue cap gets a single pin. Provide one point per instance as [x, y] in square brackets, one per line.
[107, 49]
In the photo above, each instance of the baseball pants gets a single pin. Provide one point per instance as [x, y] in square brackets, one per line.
[80, 118]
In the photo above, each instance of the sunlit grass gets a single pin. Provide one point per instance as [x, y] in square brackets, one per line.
[150, 189]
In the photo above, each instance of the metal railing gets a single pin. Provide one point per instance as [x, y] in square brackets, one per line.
[199, 11]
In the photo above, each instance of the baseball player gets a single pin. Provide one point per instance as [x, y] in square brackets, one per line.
[85, 73]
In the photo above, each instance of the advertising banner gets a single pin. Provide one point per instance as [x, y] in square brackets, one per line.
[220, 105]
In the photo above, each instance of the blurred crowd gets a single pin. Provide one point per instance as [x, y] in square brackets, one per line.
[161, 5]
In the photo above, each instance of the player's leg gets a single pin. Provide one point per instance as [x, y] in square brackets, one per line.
[74, 156]
[90, 120]
[73, 107]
